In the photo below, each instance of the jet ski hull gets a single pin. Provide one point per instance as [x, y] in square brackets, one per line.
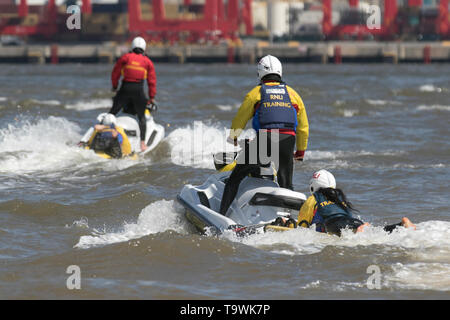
[258, 202]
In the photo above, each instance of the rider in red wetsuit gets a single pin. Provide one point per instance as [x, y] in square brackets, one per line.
[135, 68]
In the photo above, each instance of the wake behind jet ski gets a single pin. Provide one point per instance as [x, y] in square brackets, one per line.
[259, 202]
[131, 147]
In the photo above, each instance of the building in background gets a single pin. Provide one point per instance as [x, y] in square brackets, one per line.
[216, 20]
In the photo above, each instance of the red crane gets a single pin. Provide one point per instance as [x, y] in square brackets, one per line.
[217, 22]
[47, 26]
[357, 30]
[443, 22]
[389, 27]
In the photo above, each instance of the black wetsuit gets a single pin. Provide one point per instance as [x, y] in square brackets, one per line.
[335, 225]
[245, 167]
[131, 97]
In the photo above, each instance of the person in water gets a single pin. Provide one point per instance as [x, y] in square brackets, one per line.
[110, 138]
[135, 68]
[278, 117]
[329, 209]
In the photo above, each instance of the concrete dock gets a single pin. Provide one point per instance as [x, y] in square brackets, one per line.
[299, 52]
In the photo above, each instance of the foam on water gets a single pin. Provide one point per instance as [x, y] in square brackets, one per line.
[33, 145]
[90, 104]
[429, 236]
[428, 249]
[419, 276]
[227, 107]
[332, 155]
[47, 145]
[429, 88]
[433, 107]
[379, 102]
[159, 216]
[195, 144]
[349, 113]
[46, 102]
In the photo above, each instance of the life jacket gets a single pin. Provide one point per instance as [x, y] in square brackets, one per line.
[326, 210]
[135, 69]
[275, 110]
[125, 145]
[114, 147]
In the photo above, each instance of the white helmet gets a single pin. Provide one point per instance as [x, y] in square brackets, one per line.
[138, 42]
[109, 119]
[269, 65]
[321, 179]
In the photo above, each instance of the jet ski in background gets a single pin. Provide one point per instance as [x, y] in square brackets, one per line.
[259, 203]
[154, 135]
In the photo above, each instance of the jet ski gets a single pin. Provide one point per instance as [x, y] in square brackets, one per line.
[153, 136]
[259, 203]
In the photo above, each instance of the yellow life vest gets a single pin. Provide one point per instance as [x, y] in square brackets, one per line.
[125, 146]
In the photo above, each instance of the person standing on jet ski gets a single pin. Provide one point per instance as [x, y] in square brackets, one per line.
[329, 209]
[135, 68]
[279, 117]
[273, 105]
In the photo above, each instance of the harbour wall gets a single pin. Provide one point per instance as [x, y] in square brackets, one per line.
[296, 52]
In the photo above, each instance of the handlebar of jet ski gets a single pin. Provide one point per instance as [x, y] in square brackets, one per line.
[152, 107]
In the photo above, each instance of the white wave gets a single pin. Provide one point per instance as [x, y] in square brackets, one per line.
[44, 145]
[428, 249]
[419, 276]
[339, 154]
[3, 99]
[420, 166]
[228, 107]
[348, 113]
[195, 144]
[429, 88]
[339, 103]
[376, 102]
[90, 105]
[47, 102]
[379, 102]
[81, 223]
[301, 241]
[433, 107]
[159, 216]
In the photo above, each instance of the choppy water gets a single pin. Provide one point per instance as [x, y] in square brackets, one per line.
[383, 130]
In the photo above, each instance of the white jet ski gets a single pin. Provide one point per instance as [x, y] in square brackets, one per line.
[153, 136]
[259, 202]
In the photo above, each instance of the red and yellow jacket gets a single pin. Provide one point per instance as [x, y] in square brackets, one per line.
[251, 103]
[135, 67]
